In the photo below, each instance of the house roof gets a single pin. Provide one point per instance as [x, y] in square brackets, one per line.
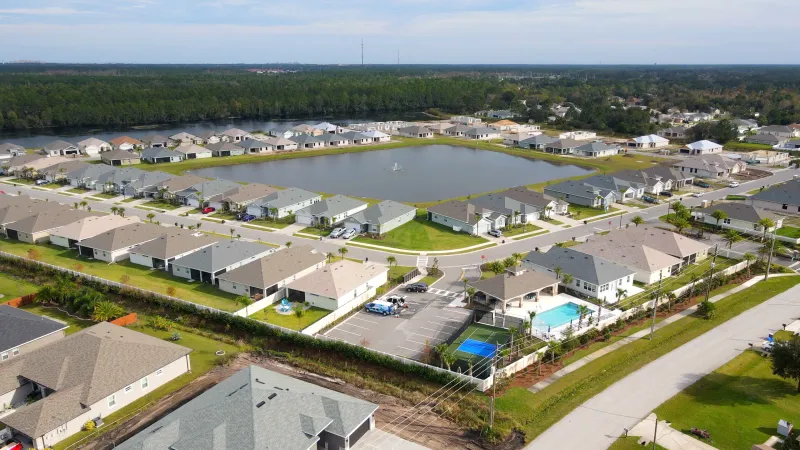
[118, 155]
[280, 140]
[250, 144]
[22, 160]
[233, 132]
[174, 242]
[125, 140]
[124, 236]
[92, 226]
[49, 219]
[577, 188]
[580, 265]
[303, 128]
[637, 177]
[627, 254]
[221, 255]
[91, 141]
[82, 369]
[415, 129]
[762, 137]
[57, 145]
[255, 408]
[675, 130]
[303, 139]
[17, 211]
[210, 189]
[248, 192]
[206, 135]
[329, 137]
[511, 200]
[191, 149]
[333, 206]
[19, 327]
[666, 173]
[508, 286]
[122, 175]
[223, 146]
[92, 171]
[595, 146]
[708, 162]
[777, 128]
[565, 143]
[739, 211]
[664, 241]
[354, 136]
[503, 123]
[382, 212]
[286, 197]
[178, 183]
[154, 138]
[703, 145]
[160, 152]
[67, 166]
[35, 162]
[8, 147]
[788, 193]
[337, 279]
[271, 269]
[651, 138]
[541, 139]
[458, 210]
[476, 131]
[183, 136]
[374, 134]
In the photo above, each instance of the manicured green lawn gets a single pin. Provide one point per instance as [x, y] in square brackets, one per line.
[290, 321]
[11, 288]
[105, 195]
[534, 413]
[75, 324]
[52, 186]
[739, 404]
[429, 280]
[79, 190]
[580, 212]
[630, 443]
[140, 276]
[422, 234]
[23, 181]
[269, 223]
[127, 200]
[790, 232]
[398, 271]
[225, 215]
[159, 204]
[783, 335]
[735, 197]
[516, 231]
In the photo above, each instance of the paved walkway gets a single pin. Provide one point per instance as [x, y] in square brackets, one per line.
[597, 423]
[666, 436]
[636, 336]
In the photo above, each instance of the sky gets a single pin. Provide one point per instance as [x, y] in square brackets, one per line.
[422, 31]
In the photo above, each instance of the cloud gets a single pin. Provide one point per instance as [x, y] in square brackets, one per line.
[46, 11]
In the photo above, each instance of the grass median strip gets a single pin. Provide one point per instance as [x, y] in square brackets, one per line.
[535, 413]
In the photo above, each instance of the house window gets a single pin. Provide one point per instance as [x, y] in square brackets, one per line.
[128, 388]
[3, 356]
[15, 352]
[785, 206]
[159, 372]
[112, 401]
[145, 383]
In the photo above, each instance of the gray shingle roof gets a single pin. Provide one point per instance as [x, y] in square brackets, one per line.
[565, 144]
[458, 210]
[585, 267]
[287, 197]
[247, 192]
[253, 144]
[382, 212]
[160, 152]
[271, 269]
[666, 173]
[739, 211]
[115, 155]
[223, 146]
[541, 139]
[764, 137]
[14, 212]
[210, 190]
[221, 255]
[19, 327]
[91, 172]
[174, 242]
[49, 219]
[154, 139]
[788, 193]
[415, 129]
[255, 409]
[595, 146]
[776, 129]
[123, 237]
[304, 139]
[57, 145]
[333, 206]
[8, 147]
[82, 369]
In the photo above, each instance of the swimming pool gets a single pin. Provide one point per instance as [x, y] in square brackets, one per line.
[554, 318]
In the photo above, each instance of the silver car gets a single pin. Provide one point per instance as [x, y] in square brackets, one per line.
[336, 233]
[349, 233]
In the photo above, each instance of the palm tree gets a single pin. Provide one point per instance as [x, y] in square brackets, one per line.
[558, 271]
[299, 312]
[766, 223]
[288, 244]
[391, 260]
[273, 213]
[773, 247]
[731, 237]
[329, 256]
[440, 350]
[150, 217]
[584, 311]
[567, 279]
[75, 205]
[680, 210]
[342, 251]
[637, 220]
[471, 291]
[547, 210]
[84, 204]
[532, 315]
[518, 257]
[238, 237]
[232, 230]
[121, 211]
[719, 215]
[749, 258]
[670, 298]
[448, 358]
[114, 210]
[106, 310]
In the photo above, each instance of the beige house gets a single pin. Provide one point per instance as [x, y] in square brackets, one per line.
[93, 146]
[516, 285]
[115, 245]
[84, 377]
[120, 158]
[32, 164]
[36, 229]
[69, 236]
[339, 285]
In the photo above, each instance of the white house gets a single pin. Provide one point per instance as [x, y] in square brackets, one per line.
[60, 148]
[710, 166]
[466, 120]
[781, 131]
[704, 147]
[579, 135]
[466, 217]
[235, 135]
[115, 245]
[329, 211]
[341, 284]
[381, 218]
[126, 143]
[283, 203]
[415, 131]
[159, 253]
[597, 149]
[649, 141]
[376, 136]
[482, 133]
[93, 146]
[184, 138]
[740, 217]
[208, 263]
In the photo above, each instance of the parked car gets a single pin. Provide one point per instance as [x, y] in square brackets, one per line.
[697, 194]
[381, 307]
[417, 287]
[496, 233]
[336, 233]
[665, 194]
[701, 184]
[11, 445]
[209, 209]
[733, 184]
[349, 233]
[397, 300]
[41, 182]
[649, 199]
[247, 217]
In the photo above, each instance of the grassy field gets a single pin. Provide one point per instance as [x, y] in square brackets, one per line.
[535, 413]
[739, 404]
[630, 443]
[75, 324]
[290, 321]
[11, 288]
[140, 276]
[23, 181]
[478, 332]
[790, 232]
[422, 234]
[269, 223]
[746, 146]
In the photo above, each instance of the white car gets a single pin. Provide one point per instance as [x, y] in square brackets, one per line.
[697, 194]
[336, 233]
[496, 233]
[733, 184]
[349, 233]
[41, 182]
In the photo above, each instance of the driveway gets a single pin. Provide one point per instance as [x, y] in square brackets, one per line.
[601, 420]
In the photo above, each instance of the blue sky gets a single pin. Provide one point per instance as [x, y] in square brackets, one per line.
[424, 31]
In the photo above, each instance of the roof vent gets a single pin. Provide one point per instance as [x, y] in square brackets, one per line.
[259, 381]
[271, 396]
[261, 403]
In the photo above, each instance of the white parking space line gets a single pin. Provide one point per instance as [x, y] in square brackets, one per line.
[429, 337]
[365, 320]
[431, 329]
[416, 342]
[415, 351]
[354, 325]
[443, 324]
[345, 331]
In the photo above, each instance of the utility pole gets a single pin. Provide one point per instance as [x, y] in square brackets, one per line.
[362, 52]
[711, 273]
[769, 258]
[398, 57]
[655, 432]
[494, 384]
[655, 304]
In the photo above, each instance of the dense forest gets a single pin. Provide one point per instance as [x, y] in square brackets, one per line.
[45, 95]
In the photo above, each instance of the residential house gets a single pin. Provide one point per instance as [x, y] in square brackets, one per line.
[381, 218]
[235, 135]
[238, 198]
[282, 144]
[307, 129]
[126, 143]
[255, 146]
[155, 140]
[341, 284]
[710, 166]
[745, 126]
[87, 177]
[765, 139]
[120, 158]
[330, 211]
[93, 146]
[466, 217]
[652, 184]
[537, 142]
[623, 189]
[673, 179]
[268, 410]
[115, 244]
[184, 138]
[208, 137]
[597, 149]
[514, 139]
[223, 148]
[173, 244]
[60, 148]
[206, 264]
[740, 217]
[334, 140]
[578, 135]
[781, 131]
[24, 332]
[376, 136]
[167, 188]
[36, 228]
[328, 127]
[521, 205]
[84, 377]
[466, 120]
[482, 133]
[703, 147]
[517, 284]
[283, 203]
[58, 172]
[208, 193]
[415, 131]
[70, 235]
[267, 277]
[673, 132]
[591, 276]
[581, 193]
[439, 127]
[30, 165]
[193, 151]
[146, 184]
[14, 211]
[784, 198]
[768, 157]
[504, 125]
[116, 180]
[157, 155]
[562, 146]
[357, 138]
[8, 151]
[458, 130]
[792, 144]
[308, 141]
[649, 141]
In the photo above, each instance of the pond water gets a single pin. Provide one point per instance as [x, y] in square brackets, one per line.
[409, 174]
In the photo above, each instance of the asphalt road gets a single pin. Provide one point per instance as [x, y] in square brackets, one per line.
[600, 421]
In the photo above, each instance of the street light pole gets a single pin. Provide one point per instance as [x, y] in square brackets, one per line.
[711, 274]
[655, 304]
[769, 258]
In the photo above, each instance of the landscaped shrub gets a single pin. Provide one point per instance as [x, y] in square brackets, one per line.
[707, 309]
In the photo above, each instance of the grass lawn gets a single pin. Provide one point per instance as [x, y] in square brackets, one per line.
[630, 443]
[739, 404]
[75, 324]
[478, 332]
[422, 234]
[290, 321]
[225, 215]
[52, 186]
[202, 359]
[269, 223]
[398, 271]
[555, 222]
[609, 217]
[534, 413]
[584, 212]
[790, 232]
[735, 197]
[106, 195]
[11, 288]
[158, 204]
[783, 335]
[567, 244]
[140, 276]
[127, 200]
[516, 231]
[79, 190]
[23, 181]
[429, 280]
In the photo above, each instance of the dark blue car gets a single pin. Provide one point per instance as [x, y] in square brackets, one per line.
[247, 218]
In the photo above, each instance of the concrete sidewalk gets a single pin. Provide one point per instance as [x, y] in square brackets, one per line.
[666, 436]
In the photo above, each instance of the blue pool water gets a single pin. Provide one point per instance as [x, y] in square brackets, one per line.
[553, 318]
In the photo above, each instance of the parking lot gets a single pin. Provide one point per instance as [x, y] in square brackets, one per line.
[428, 318]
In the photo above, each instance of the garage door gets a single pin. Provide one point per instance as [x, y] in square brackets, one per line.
[303, 220]
[194, 202]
